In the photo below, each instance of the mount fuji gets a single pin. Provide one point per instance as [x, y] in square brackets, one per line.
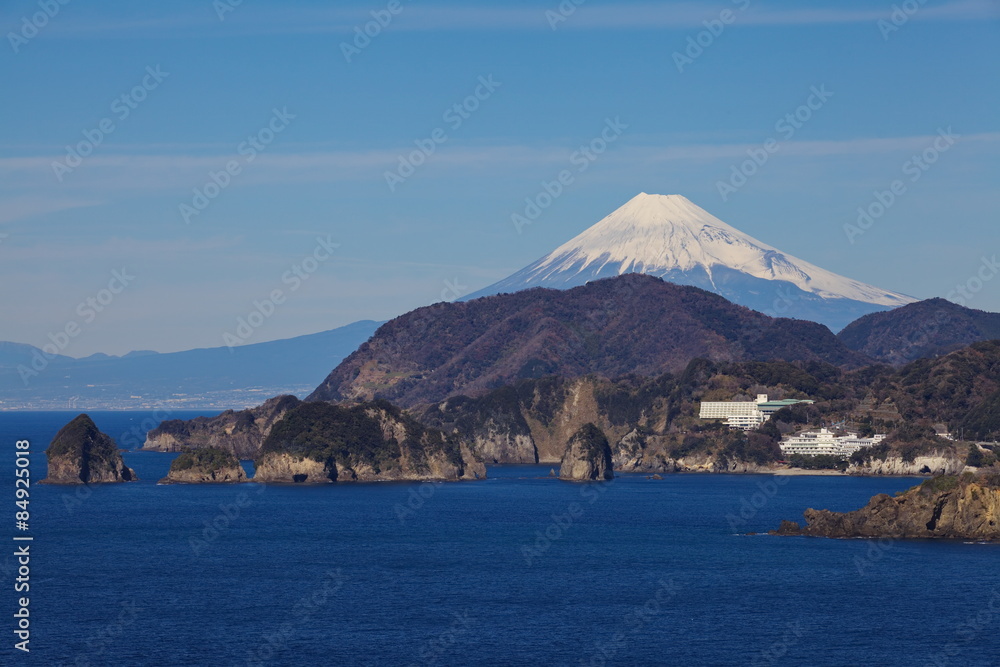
[671, 237]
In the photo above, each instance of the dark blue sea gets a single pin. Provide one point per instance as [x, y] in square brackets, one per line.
[514, 570]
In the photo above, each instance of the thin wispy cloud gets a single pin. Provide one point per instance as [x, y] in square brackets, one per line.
[26, 207]
[172, 171]
[115, 249]
[261, 20]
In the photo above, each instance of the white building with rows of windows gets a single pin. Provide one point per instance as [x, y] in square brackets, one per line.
[745, 415]
[825, 441]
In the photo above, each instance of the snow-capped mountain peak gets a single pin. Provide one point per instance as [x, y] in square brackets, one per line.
[671, 237]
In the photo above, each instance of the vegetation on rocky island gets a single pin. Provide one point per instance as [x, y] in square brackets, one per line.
[208, 459]
[376, 434]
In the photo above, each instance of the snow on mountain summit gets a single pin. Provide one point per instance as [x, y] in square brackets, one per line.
[658, 234]
[671, 237]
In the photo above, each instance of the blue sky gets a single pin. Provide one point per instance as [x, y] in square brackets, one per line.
[207, 85]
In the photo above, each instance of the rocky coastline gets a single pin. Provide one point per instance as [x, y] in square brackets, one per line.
[320, 443]
[239, 432]
[965, 507]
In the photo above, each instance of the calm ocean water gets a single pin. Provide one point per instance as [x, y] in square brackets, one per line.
[517, 570]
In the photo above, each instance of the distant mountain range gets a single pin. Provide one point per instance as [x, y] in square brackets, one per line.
[632, 324]
[670, 237]
[208, 377]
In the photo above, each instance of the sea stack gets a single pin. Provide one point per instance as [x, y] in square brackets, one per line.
[587, 457]
[81, 454]
[210, 465]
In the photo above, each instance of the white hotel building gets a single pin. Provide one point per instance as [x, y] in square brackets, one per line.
[825, 441]
[745, 415]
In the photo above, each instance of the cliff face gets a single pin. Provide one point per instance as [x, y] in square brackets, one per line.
[205, 466]
[285, 468]
[587, 457]
[966, 507]
[496, 427]
[320, 443]
[941, 462]
[533, 420]
[82, 454]
[240, 433]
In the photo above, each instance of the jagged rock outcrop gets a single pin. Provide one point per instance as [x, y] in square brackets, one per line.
[322, 443]
[241, 433]
[587, 457]
[81, 454]
[629, 454]
[210, 465]
[959, 507]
